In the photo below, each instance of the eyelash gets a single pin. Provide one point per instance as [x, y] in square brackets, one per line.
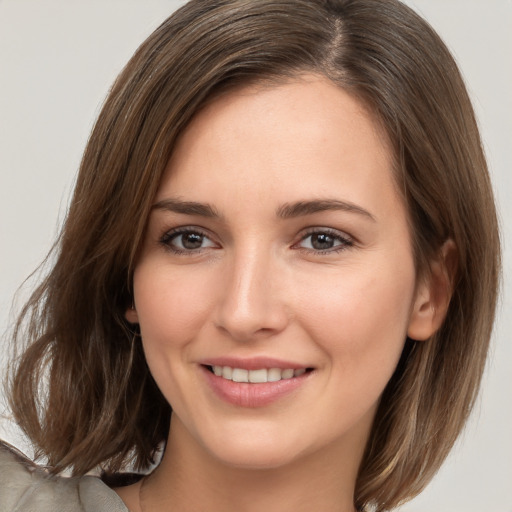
[168, 237]
[344, 241]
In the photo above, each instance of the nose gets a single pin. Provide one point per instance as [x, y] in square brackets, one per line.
[252, 304]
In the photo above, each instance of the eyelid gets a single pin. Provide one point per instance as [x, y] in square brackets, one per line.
[170, 234]
[347, 241]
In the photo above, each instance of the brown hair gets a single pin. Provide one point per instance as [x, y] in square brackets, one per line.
[101, 405]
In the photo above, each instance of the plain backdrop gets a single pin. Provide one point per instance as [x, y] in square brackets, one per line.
[57, 61]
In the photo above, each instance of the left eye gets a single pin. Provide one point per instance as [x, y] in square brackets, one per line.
[324, 241]
[187, 241]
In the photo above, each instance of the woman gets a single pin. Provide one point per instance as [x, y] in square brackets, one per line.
[279, 232]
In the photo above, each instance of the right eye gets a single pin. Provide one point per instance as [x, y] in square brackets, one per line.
[186, 241]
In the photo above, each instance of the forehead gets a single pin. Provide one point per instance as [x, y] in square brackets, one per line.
[265, 137]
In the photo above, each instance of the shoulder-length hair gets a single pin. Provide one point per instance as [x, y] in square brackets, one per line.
[100, 406]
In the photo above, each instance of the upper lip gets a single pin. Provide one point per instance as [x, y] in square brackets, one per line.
[253, 363]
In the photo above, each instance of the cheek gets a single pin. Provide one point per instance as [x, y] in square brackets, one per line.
[361, 320]
[361, 328]
[170, 304]
[172, 308]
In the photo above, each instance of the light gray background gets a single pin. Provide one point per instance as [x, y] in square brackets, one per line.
[57, 61]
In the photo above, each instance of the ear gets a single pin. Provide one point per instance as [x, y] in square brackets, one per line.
[131, 315]
[433, 294]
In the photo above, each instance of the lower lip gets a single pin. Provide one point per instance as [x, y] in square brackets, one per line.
[243, 394]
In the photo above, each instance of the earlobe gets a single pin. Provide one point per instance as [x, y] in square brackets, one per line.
[131, 315]
[425, 318]
[433, 294]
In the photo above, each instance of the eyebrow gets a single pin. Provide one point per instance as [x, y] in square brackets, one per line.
[186, 207]
[286, 211]
[301, 208]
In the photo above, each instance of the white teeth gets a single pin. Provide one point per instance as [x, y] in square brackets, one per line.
[240, 375]
[274, 374]
[287, 374]
[256, 376]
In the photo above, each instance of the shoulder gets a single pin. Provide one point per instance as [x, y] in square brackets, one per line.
[27, 487]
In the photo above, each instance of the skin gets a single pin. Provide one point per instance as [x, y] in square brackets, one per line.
[258, 285]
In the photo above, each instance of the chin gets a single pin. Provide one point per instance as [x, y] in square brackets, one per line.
[253, 448]
[255, 457]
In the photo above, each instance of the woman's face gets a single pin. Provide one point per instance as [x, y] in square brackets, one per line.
[277, 252]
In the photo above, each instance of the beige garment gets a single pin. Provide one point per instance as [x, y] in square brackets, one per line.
[25, 487]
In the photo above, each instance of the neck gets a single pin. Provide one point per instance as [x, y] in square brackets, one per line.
[189, 479]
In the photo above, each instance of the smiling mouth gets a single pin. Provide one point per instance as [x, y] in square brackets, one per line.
[259, 376]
